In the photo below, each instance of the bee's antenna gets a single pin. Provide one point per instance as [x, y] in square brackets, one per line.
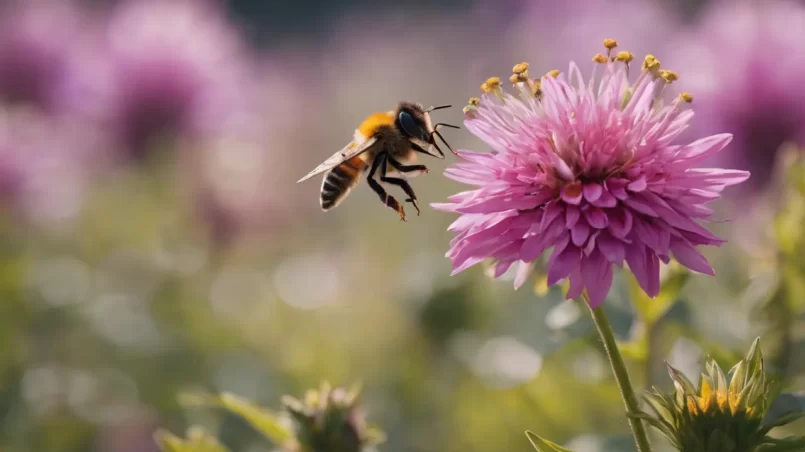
[437, 108]
[436, 126]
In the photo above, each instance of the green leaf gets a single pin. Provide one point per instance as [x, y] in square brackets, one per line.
[543, 445]
[785, 409]
[263, 420]
[197, 441]
[783, 445]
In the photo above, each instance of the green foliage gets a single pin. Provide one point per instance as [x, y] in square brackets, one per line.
[723, 413]
[264, 421]
[325, 420]
[197, 441]
[543, 445]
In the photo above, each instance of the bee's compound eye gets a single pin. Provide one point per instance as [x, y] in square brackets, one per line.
[411, 127]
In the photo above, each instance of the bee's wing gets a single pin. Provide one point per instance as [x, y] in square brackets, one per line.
[349, 151]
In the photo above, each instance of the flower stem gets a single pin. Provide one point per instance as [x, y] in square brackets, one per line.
[621, 376]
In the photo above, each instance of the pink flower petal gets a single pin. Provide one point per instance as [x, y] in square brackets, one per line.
[572, 214]
[688, 256]
[597, 273]
[562, 262]
[576, 284]
[620, 222]
[579, 233]
[607, 199]
[571, 193]
[596, 217]
[639, 184]
[592, 192]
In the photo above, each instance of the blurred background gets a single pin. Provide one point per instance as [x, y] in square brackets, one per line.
[154, 242]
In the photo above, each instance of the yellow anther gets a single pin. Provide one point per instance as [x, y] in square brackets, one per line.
[474, 102]
[686, 97]
[599, 58]
[521, 68]
[518, 78]
[610, 44]
[492, 84]
[651, 63]
[668, 76]
[624, 56]
[554, 73]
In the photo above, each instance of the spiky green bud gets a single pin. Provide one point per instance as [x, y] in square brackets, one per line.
[330, 420]
[723, 413]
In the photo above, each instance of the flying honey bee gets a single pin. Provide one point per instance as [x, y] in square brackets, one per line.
[384, 143]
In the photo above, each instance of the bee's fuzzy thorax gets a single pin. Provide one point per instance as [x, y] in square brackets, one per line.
[370, 125]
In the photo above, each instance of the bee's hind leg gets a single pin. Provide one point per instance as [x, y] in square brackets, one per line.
[402, 183]
[387, 199]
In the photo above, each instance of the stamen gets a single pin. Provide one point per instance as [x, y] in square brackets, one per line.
[472, 107]
[684, 98]
[521, 69]
[668, 76]
[599, 58]
[651, 64]
[553, 73]
[610, 44]
[492, 85]
[518, 78]
[624, 56]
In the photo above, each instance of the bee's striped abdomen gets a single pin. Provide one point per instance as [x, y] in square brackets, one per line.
[339, 181]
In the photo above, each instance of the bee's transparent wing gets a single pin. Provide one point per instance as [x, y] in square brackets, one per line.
[349, 151]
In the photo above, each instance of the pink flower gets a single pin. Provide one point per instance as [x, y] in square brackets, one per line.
[589, 169]
[40, 53]
[730, 51]
[176, 70]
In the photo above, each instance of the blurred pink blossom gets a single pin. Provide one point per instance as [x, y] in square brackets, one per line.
[743, 63]
[46, 163]
[40, 47]
[553, 32]
[174, 70]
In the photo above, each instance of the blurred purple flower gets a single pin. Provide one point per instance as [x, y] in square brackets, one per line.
[586, 167]
[39, 41]
[45, 165]
[643, 25]
[743, 62]
[175, 70]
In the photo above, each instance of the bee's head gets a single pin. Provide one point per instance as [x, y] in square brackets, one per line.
[414, 121]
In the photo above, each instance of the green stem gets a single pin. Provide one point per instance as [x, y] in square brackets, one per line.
[621, 376]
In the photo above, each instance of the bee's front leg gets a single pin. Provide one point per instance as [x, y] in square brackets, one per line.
[402, 183]
[387, 199]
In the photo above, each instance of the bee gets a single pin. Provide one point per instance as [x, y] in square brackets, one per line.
[385, 142]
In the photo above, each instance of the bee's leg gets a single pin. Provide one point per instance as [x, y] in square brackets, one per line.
[385, 197]
[421, 150]
[402, 183]
[406, 168]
